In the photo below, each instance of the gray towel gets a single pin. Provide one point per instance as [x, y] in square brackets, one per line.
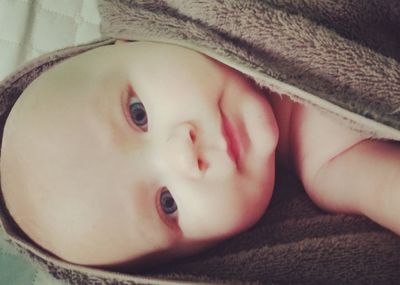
[340, 56]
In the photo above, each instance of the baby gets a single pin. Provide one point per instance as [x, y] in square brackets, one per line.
[140, 152]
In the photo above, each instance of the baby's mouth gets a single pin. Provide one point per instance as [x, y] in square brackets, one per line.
[236, 139]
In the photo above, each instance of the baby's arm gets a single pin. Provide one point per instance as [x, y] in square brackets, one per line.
[364, 179]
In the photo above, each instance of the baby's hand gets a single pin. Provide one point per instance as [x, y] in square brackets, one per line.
[365, 179]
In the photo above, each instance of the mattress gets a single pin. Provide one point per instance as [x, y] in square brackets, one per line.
[29, 28]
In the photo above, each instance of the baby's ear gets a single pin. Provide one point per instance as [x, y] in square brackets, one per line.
[117, 42]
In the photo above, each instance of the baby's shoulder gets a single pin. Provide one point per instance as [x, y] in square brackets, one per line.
[316, 138]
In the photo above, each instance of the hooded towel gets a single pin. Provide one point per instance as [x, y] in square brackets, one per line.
[342, 57]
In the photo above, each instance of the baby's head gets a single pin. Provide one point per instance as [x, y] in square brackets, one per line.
[124, 155]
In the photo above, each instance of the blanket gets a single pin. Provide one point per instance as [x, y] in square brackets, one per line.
[342, 57]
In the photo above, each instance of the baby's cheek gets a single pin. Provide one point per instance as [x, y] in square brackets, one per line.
[227, 208]
[258, 190]
[260, 184]
[245, 206]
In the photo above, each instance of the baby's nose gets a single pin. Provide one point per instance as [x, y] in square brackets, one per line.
[183, 151]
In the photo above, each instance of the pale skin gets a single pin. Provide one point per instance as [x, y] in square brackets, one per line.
[84, 179]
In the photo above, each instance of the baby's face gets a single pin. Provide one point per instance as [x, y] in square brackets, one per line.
[139, 150]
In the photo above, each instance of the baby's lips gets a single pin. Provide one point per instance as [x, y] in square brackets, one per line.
[236, 139]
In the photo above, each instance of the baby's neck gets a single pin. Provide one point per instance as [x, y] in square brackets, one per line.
[283, 109]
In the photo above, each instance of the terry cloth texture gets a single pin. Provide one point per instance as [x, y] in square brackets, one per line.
[340, 56]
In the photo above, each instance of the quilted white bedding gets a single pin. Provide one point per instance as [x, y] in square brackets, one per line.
[29, 28]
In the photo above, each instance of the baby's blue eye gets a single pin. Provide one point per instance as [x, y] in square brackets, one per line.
[167, 202]
[138, 112]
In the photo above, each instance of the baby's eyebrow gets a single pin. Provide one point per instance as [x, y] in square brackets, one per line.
[109, 114]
